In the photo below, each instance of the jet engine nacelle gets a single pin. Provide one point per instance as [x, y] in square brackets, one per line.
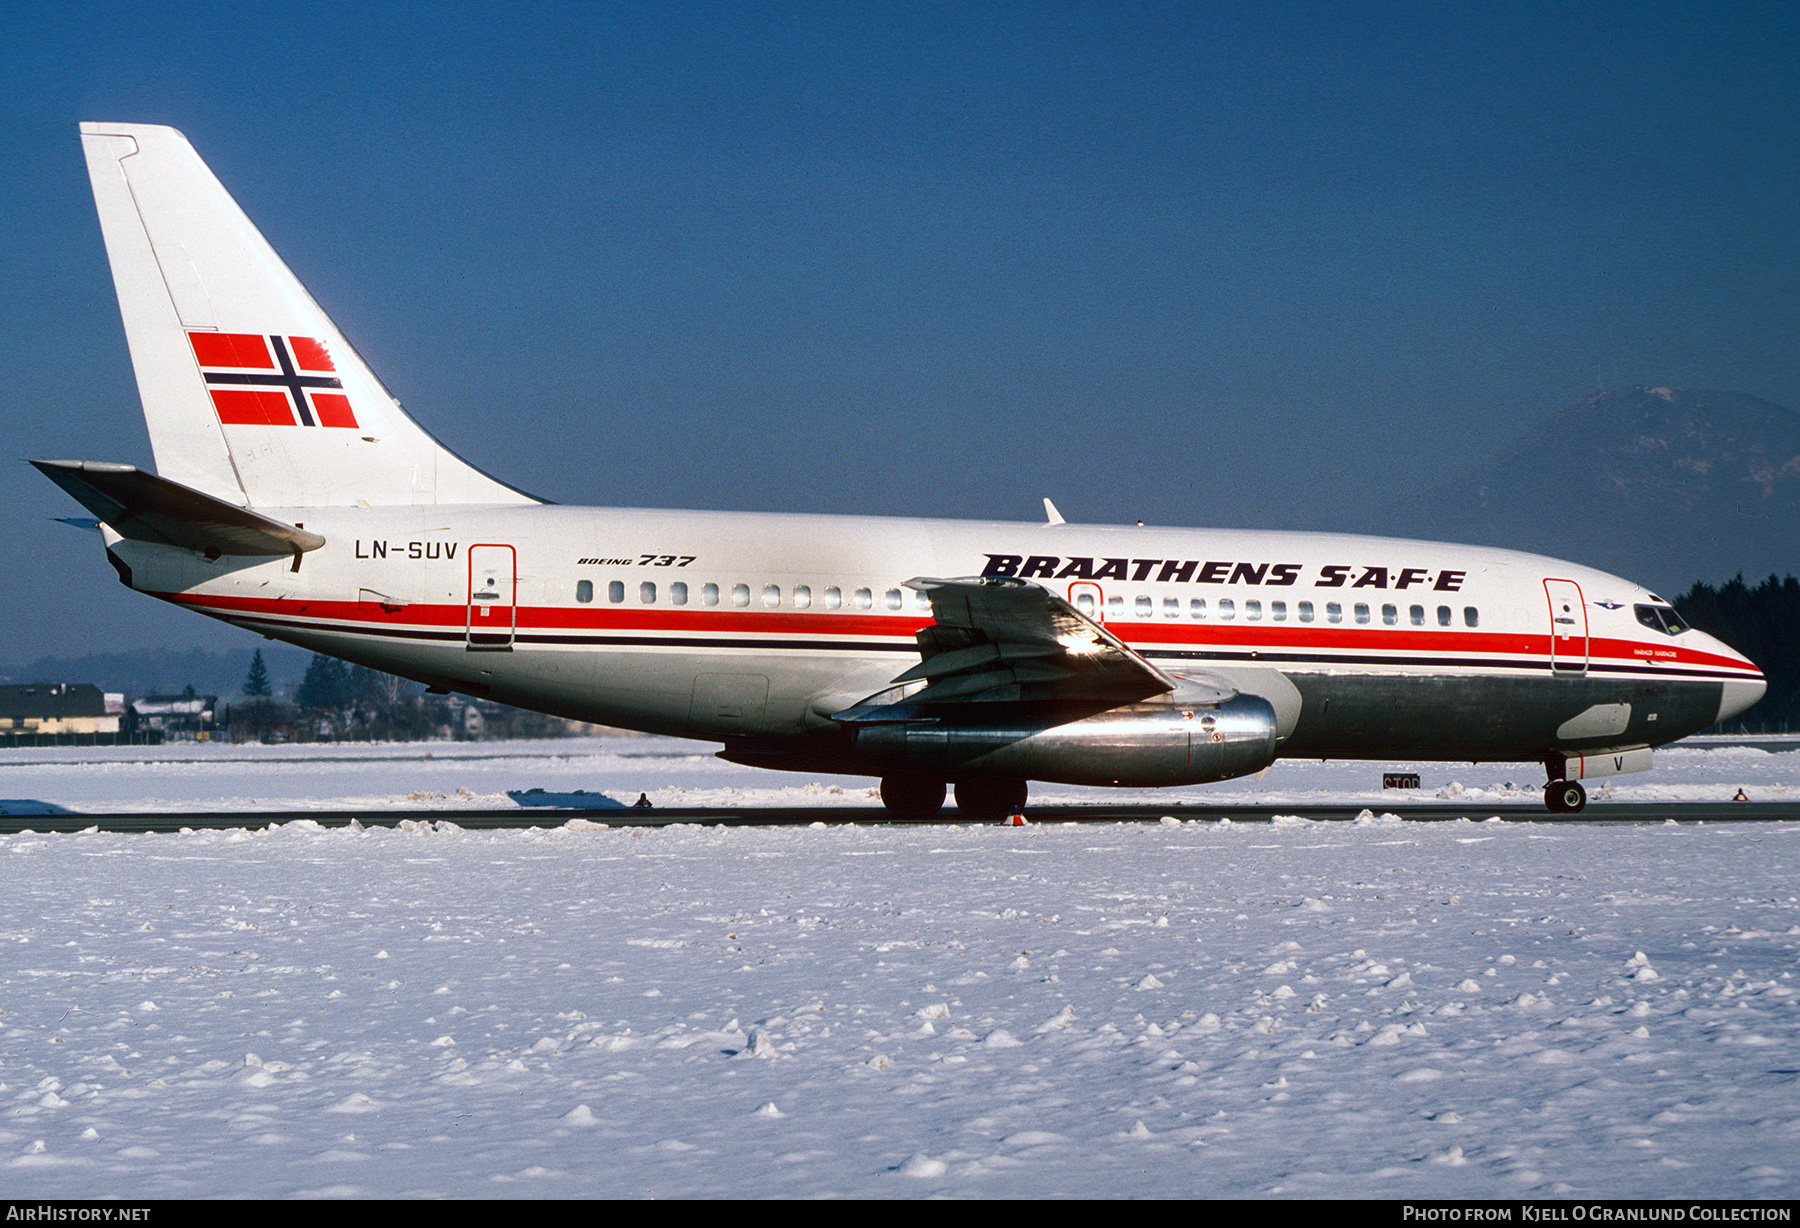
[1142, 745]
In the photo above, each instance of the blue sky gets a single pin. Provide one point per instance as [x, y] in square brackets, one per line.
[1213, 264]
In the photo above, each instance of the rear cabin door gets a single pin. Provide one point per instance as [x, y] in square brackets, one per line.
[1568, 628]
[493, 612]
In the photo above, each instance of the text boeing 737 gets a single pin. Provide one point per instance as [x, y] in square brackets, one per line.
[295, 498]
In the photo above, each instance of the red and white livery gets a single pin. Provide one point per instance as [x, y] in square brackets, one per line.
[294, 497]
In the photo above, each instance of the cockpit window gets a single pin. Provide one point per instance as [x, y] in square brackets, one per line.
[1660, 618]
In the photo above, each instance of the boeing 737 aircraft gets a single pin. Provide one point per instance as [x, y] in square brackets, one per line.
[295, 498]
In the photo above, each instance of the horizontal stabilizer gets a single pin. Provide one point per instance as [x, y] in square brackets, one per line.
[146, 508]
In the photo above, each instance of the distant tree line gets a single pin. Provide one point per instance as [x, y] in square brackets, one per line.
[1763, 623]
[336, 702]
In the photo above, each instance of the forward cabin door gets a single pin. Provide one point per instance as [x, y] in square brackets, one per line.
[1568, 628]
[493, 585]
[1088, 600]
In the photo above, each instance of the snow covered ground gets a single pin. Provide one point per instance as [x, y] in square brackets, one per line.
[1462, 1009]
[674, 773]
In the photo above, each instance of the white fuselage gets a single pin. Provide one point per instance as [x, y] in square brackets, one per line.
[736, 627]
[294, 496]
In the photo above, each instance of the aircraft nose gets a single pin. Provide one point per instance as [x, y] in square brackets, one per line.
[1736, 697]
[1739, 694]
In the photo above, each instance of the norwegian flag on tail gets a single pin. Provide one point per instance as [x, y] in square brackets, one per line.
[272, 380]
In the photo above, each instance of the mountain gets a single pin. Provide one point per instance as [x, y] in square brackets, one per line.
[1664, 486]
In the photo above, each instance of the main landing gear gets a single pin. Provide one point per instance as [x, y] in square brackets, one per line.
[912, 797]
[1565, 796]
[920, 797]
[989, 798]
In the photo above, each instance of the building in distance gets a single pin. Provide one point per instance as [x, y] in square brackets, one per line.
[46, 712]
[173, 718]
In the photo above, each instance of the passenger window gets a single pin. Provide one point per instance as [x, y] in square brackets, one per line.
[1197, 609]
[1227, 609]
[802, 597]
[1084, 604]
[740, 595]
[1278, 611]
[1253, 611]
[1362, 613]
[893, 599]
[833, 598]
[864, 599]
[1417, 614]
[1390, 615]
[922, 601]
[584, 590]
[1116, 604]
[771, 596]
[1443, 616]
[709, 594]
[1306, 611]
[1334, 613]
[1471, 616]
[1143, 607]
[678, 592]
[615, 591]
[1171, 607]
[647, 592]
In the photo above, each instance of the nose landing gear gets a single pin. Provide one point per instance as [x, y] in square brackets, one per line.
[1565, 796]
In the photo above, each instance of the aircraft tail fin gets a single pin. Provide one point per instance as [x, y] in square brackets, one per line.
[251, 394]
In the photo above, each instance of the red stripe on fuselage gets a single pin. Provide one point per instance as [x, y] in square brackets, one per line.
[835, 624]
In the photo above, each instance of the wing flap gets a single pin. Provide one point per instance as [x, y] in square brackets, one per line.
[995, 640]
[144, 507]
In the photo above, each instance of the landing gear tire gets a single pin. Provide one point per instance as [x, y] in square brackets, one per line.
[912, 797]
[988, 798]
[1565, 796]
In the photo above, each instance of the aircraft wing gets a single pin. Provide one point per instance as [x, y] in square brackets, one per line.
[144, 507]
[997, 640]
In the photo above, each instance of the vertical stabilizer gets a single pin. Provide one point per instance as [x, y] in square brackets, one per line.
[250, 392]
